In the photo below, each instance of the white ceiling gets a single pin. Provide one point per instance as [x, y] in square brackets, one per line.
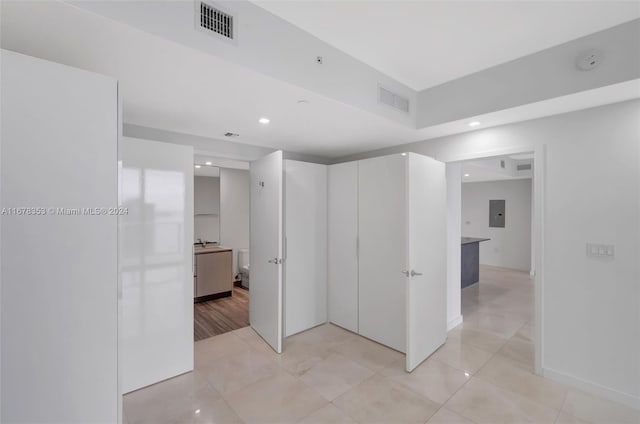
[427, 43]
[169, 86]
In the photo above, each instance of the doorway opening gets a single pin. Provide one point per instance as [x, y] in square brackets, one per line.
[498, 222]
[220, 246]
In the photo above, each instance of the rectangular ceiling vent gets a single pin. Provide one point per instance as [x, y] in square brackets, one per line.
[215, 20]
[392, 99]
[524, 167]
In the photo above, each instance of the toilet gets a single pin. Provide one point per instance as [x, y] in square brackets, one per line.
[243, 267]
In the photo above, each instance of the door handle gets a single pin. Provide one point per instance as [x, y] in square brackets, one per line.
[406, 273]
[275, 261]
[413, 273]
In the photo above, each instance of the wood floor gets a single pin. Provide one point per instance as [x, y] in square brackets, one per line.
[221, 315]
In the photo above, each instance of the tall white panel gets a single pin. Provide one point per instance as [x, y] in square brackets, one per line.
[426, 280]
[342, 245]
[265, 296]
[306, 245]
[59, 308]
[382, 221]
[454, 202]
[156, 242]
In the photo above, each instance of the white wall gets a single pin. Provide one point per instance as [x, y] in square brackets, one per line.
[509, 247]
[454, 196]
[155, 261]
[305, 223]
[590, 336]
[59, 310]
[234, 211]
[206, 209]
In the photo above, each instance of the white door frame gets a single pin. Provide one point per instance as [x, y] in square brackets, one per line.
[537, 228]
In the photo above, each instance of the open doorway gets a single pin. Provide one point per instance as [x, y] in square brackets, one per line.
[220, 246]
[498, 210]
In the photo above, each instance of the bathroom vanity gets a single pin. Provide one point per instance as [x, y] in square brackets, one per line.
[213, 274]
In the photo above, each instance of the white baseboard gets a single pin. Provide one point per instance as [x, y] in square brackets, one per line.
[453, 323]
[593, 388]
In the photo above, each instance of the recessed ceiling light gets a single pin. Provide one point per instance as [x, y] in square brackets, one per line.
[303, 102]
[474, 124]
[403, 154]
[208, 163]
[197, 166]
[264, 120]
[467, 175]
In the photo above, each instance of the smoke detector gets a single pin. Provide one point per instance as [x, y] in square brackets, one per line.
[589, 60]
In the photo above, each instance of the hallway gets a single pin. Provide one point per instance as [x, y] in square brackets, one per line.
[483, 374]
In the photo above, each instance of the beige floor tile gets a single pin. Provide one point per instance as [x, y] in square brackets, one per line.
[485, 403]
[368, 353]
[217, 412]
[526, 333]
[165, 401]
[234, 372]
[432, 379]
[446, 416]
[597, 410]
[501, 325]
[462, 356]
[299, 355]
[208, 350]
[381, 400]
[484, 340]
[505, 374]
[280, 399]
[335, 375]
[250, 337]
[564, 418]
[328, 414]
[520, 352]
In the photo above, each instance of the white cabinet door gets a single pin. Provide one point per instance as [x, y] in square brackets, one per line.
[426, 282]
[305, 284]
[265, 296]
[343, 247]
[382, 229]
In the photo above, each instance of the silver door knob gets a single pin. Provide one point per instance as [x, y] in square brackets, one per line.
[406, 273]
[275, 261]
[413, 273]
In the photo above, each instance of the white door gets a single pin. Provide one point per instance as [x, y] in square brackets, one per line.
[155, 260]
[382, 247]
[426, 286]
[343, 245]
[265, 296]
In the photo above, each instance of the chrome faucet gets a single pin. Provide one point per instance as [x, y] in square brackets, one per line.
[203, 243]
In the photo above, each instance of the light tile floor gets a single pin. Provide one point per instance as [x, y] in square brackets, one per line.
[483, 374]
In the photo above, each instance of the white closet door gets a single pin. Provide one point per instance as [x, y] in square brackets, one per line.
[306, 246]
[382, 224]
[426, 282]
[342, 239]
[265, 296]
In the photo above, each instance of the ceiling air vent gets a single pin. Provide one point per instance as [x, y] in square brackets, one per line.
[524, 167]
[392, 99]
[215, 20]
